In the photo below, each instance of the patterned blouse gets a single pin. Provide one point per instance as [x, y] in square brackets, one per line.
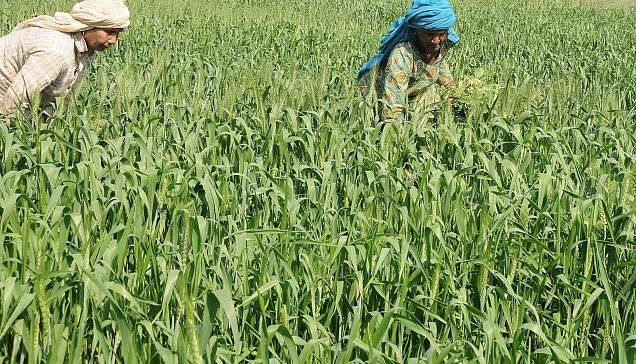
[406, 79]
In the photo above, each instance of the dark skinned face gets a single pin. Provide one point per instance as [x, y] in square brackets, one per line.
[431, 41]
[98, 39]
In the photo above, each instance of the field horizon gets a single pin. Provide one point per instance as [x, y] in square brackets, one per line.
[218, 192]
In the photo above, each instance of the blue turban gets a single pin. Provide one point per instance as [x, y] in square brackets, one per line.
[428, 15]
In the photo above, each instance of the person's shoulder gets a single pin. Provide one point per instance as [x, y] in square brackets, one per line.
[406, 49]
[53, 34]
[403, 51]
[48, 39]
[405, 46]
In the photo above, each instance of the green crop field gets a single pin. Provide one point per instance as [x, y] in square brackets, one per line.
[218, 192]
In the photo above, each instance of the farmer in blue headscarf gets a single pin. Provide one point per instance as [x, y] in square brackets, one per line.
[409, 71]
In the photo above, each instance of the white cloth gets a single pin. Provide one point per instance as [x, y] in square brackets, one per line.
[85, 15]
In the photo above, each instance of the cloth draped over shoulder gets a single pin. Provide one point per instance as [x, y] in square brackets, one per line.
[113, 14]
[428, 15]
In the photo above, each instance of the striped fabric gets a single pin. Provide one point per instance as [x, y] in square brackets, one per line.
[36, 60]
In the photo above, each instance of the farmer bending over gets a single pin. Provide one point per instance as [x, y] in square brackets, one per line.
[409, 71]
[48, 55]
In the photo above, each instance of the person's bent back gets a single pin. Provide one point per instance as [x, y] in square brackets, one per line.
[48, 55]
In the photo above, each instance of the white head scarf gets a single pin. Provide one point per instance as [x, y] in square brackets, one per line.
[84, 15]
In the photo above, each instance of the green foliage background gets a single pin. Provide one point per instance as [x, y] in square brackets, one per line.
[219, 193]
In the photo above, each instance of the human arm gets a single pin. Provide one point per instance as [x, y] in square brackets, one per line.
[397, 73]
[41, 69]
